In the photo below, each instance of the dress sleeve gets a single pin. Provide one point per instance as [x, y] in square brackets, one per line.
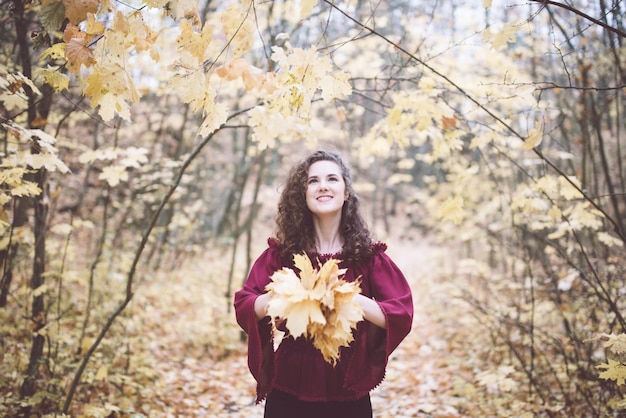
[260, 345]
[386, 284]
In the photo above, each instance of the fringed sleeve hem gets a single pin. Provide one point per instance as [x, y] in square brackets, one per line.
[260, 345]
[385, 283]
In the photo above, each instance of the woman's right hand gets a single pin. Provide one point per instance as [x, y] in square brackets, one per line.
[260, 305]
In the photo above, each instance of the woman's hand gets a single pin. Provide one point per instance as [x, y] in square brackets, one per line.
[371, 311]
[260, 305]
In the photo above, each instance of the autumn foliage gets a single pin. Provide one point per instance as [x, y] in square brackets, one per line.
[143, 143]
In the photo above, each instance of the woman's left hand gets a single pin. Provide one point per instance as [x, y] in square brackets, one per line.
[371, 311]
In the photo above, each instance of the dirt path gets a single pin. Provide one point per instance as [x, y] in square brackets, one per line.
[420, 374]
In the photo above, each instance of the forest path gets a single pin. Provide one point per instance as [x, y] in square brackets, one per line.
[424, 369]
[421, 376]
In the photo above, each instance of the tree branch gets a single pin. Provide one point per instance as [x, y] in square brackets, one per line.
[583, 15]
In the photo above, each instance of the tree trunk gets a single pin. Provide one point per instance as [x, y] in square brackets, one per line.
[38, 315]
[35, 104]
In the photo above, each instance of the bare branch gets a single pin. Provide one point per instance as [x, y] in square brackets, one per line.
[583, 15]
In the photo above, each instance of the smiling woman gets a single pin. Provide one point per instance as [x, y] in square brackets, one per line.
[319, 215]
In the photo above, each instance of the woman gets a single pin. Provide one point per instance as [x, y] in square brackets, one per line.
[318, 213]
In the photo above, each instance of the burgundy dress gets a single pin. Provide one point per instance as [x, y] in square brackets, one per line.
[297, 367]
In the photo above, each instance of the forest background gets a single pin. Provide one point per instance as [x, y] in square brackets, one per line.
[143, 149]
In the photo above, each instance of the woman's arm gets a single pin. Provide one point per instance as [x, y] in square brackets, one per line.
[371, 311]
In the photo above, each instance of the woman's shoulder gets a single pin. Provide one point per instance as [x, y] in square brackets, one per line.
[273, 243]
[274, 248]
[378, 247]
[375, 253]
[270, 257]
[378, 254]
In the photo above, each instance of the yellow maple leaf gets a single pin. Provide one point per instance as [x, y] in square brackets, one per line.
[616, 343]
[106, 154]
[335, 86]
[76, 10]
[534, 139]
[111, 104]
[56, 51]
[134, 157]
[137, 34]
[194, 43]
[45, 160]
[307, 272]
[54, 78]
[192, 88]
[568, 190]
[12, 93]
[102, 373]
[215, 116]
[77, 54]
[233, 69]
[287, 284]
[11, 174]
[239, 28]
[4, 199]
[306, 8]
[301, 315]
[330, 272]
[94, 27]
[111, 87]
[341, 318]
[179, 9]
[499, 40]
[613, 370]
[114, 174]
[27, 188]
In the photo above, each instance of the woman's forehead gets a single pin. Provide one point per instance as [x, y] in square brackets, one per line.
[323, 168]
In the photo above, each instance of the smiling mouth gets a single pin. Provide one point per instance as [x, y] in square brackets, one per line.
[324, 198]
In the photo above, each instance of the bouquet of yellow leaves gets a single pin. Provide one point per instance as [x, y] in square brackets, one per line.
[319, 304]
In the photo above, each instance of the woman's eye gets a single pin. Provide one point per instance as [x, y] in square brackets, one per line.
[311, 181]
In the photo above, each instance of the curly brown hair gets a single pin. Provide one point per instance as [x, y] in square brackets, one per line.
[294, 220]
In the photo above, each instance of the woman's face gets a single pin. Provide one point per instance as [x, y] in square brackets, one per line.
[326, 189]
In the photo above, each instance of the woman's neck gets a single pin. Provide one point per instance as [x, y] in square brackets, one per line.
[328, 239]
